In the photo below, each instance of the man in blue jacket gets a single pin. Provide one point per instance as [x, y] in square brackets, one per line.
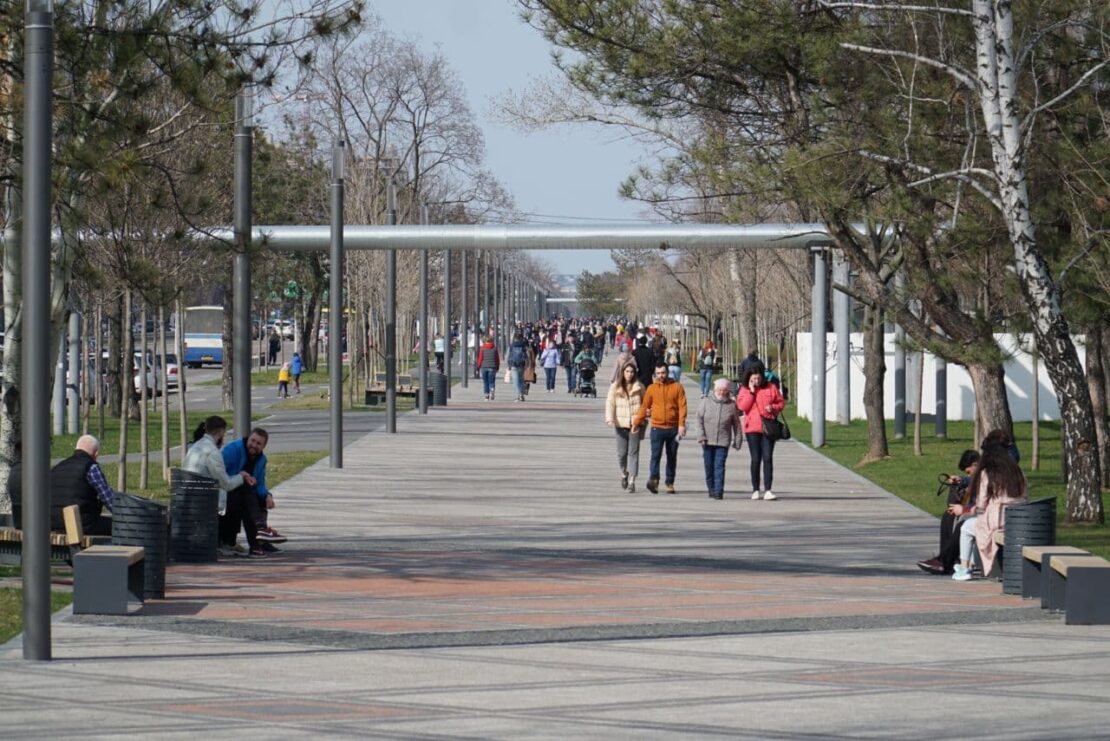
[247, 505]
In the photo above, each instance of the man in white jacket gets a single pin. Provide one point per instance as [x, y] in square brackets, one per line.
[204, 458]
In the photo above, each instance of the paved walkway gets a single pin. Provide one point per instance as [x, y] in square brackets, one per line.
[509, 588]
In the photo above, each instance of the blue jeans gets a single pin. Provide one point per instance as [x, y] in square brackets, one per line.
[660, 439]
[706, 381]
[714, 457]
[572, 377]
[518, 381]
[489, 380]
[762, 451]
[550, 373]
[675, 372]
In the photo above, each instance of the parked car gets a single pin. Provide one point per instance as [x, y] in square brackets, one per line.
[152, 371]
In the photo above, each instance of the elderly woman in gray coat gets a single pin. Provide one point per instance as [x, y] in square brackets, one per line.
[720, 430]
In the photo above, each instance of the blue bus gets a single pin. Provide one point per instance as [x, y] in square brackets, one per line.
[204, 335]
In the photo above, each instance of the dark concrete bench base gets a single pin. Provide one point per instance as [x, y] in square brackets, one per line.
[105, 577]
[1080, 586]
[1035, 560]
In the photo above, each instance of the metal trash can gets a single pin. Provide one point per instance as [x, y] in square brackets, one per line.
[438, 382]
[1033, 523]
[194, 517]
[142, 522]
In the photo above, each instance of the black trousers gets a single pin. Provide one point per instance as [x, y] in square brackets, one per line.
[242, 512]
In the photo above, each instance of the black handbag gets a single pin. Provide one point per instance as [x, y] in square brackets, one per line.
[776, 429]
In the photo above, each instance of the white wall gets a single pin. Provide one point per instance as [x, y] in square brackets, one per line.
[961, 398]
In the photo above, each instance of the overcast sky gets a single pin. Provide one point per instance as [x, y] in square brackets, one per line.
[571, 173]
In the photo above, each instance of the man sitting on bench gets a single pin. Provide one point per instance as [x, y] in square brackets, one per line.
[79, 480]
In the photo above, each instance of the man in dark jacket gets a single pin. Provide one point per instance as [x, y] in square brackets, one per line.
[645, 361]
[79, 480]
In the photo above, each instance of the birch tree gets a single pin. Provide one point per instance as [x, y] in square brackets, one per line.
[989, 73]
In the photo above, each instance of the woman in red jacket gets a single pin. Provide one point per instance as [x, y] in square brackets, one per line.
[757, 400]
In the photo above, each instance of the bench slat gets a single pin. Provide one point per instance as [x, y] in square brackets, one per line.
[1036, 553]
[1060, 564]
[133, 553]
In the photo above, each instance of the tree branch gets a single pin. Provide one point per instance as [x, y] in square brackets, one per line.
[1028, 121]
[958, 73]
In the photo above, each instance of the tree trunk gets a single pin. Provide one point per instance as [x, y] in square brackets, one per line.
[126, 388]
[165, 408]
[874, 371]
[1096, 382]
[144, 413]
[996, 70]
[229, 360]
[182, 375]
[11, 425]
[992, 407]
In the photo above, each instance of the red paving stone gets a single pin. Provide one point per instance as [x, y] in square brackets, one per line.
[540, 592]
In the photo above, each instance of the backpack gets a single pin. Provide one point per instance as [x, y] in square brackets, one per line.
[518, 356]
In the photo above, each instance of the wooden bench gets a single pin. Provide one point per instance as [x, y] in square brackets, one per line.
[376, 394]
[106, 578]
[1035, 560]
[63, 546]
[1080, 586]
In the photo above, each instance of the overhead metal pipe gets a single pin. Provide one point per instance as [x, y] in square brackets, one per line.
[503, 237]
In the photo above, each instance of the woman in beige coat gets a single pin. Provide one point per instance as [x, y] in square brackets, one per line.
[623, 401]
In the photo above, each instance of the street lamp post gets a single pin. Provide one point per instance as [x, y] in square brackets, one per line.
[38, 66]
[391, 315]
[241, 297]
[335, 304]
[422, 395]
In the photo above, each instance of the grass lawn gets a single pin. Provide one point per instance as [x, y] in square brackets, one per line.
[279, 467]
[914, 478]
[11, 610]
[63, 445]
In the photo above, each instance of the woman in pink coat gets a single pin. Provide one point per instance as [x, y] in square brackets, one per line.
[757, 400]
[997, 484]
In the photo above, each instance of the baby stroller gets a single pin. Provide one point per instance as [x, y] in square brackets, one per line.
[587, 369]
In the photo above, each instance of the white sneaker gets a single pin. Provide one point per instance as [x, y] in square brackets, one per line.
[768, 496]
[755, 495]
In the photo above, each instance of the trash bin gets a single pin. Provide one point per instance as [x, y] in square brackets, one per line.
[1033, 523]
[142, 522]
[194, 517]
[439, 389]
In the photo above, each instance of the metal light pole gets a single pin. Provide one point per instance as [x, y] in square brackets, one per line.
[73, 382]
[58, 396]
[464, 323]
[817, 344]
[842, 309]
[391, 315]
[335, 304]
[38, 66]
[899, 366]
[241, 297]
[422, 393]
[447, 318]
